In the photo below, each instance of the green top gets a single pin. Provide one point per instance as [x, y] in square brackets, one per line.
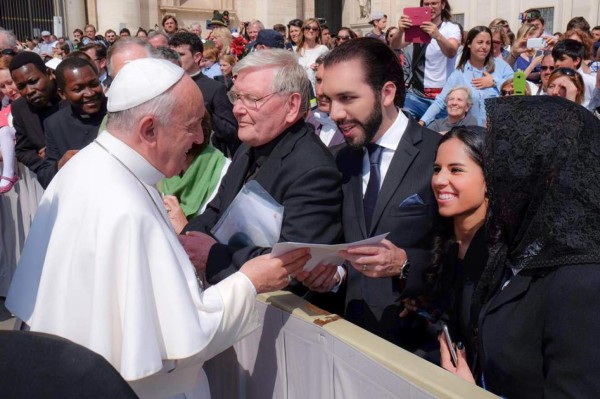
[199, 181]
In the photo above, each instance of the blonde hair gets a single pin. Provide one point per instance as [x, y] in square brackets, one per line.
[300, 47]
[524, 30]
[224, 34]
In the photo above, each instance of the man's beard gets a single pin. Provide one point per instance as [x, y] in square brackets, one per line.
[369, 127]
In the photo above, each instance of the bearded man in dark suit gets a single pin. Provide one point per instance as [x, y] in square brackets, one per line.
[387, 168]
[282, 153]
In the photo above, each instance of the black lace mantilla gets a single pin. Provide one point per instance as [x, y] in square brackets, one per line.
[542, 171]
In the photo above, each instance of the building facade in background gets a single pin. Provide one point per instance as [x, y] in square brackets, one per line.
[30, 17]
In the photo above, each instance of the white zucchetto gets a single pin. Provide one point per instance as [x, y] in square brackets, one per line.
[141, 80]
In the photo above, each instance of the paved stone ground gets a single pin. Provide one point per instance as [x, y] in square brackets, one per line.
[7, 321]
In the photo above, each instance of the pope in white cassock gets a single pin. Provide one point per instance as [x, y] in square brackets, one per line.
[102, 265]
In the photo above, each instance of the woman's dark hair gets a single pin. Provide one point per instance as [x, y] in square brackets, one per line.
[466, 54]
[351, 33]
[168, 17]
[388, 32]
[294, 22]
[446, 10]
[473, 138]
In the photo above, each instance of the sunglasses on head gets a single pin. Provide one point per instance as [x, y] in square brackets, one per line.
[566, 71]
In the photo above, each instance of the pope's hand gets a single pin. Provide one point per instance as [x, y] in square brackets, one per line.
[197, 245]
[176, 215]
[270, 273]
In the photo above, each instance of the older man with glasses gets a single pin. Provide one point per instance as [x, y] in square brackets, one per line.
[281, 153]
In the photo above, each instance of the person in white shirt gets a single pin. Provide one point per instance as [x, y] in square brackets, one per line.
[429, 71]
[569, 53]
[102, 265]
[310, 48]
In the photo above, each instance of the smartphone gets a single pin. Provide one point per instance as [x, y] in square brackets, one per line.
[536, 43]
[453, 354]
[519, 83]
[539, 53]
[418, 15]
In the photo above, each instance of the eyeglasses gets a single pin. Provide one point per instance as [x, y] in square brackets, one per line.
[497, 42]
[506, 93]
[8, 51]
[342, 37]
[247, 100]
[547, 67]
[311, 28]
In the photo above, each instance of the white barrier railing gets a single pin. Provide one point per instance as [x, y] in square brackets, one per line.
[303, 352]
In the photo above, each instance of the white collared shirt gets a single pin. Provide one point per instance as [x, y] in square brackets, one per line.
[389, 141]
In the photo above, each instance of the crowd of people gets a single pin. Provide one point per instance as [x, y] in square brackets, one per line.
[474, 151]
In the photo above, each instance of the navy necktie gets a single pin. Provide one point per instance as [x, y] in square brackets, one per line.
[370, 198]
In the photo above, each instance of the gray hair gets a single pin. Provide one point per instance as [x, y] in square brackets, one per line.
[463, 88]
[289, 77]
[161, 107]
[198, 24]
[9, 37]
[157, 33]
[123, 44]
[257, 23]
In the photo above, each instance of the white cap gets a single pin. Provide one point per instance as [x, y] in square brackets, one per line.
[141, 80]
[53, 63]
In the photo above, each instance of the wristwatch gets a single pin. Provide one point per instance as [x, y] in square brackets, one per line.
[404, 270]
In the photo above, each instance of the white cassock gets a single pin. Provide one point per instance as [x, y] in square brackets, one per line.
[103, 268]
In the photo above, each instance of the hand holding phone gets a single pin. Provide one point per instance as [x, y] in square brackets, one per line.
[451, 347]
[536, 43]
[519, 83]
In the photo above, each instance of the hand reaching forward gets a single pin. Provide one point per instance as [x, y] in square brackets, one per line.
[270, 273]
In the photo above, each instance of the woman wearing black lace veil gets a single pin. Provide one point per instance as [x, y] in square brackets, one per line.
[537, 300]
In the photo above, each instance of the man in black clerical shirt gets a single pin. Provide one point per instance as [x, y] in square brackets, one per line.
[282, 154]
[189, 47]
[75, 125]
[38, 101]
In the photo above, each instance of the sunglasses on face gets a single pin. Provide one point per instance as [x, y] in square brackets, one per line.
[547, 68]
[342, 37]
[311, 28]
[506, 93]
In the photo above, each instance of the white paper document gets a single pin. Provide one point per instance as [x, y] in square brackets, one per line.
[252, 219]
[322, 253]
